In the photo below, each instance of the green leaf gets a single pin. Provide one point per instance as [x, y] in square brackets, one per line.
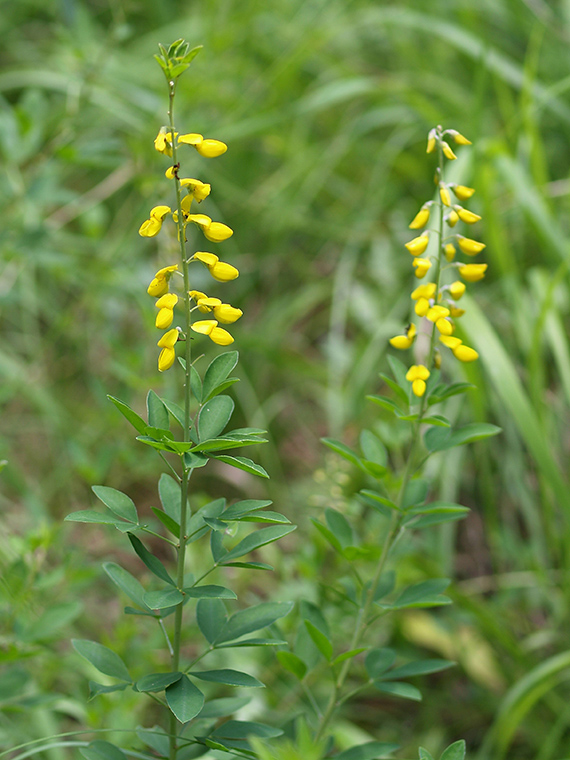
[118, 502]
[214, 416]
[320, 640]
[420, 668]
[252, 619]
[400, 392]
[455, 751]
[376, 470]
[218, 371]
[176, 411]
[243, 463]
[102, 750]
[137, 422]
[437, 419]
[375, 499]
[385, 403]
[399, 689]
[212, 618]
[267, 516]
[104, 659]
[339, 448]
[378, 661]
[386, 585]
[193, 461]
[221, 708]
[424, 594]
[438, 507]
[209, 592]
[241, 508]
[415, 493]
[170, 496]
[425, 755]
[373, 448]
[91, 516]
[222, 387]
[367, 751]
[242, 729]
[184, 699]
[440, 439]
[257, 539]
[399, 370]
[292, 663]
[157, 414]
[229, 677]
[442, 392]
[217, 547]
[223, 443]
[95, 689]
[157, 681]
[339, 526]
[161, 600]
[348, 655]
[152, 562]
[253, 642]
[250, 565]
[127, 583]
[329, 535]
[170, 524]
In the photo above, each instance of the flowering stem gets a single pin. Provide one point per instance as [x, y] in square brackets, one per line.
[186, 472]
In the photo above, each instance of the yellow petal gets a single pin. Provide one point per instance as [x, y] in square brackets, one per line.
[419, 387]
[422, 307]
[437, 312]
[421, 219]
[421, 266]
[168, 339]
[216, 232]
[170, 173]
[201, 220]
[431, 141]
[462, 192]
[193, 138]
[166, 359]
[400, 341]
[444, 326]
[457, 289]
[449, 251]
[211, 148]
[450, 341]
[465, 354]
[227, 314]
[196, 295]
[447, 152]
[452, 218]
[459, 138]
[158, 287]
[473, 272]
[468, 246]
[418, 245]
[209, 259]
[150, 228]
[221, 336]
[424, 291]
[444, 195]
[467, 216]
[223, 272]
[164, 318]
[167, 301]
[159, 212]
[204, 326]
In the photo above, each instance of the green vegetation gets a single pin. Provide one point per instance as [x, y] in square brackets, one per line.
[325, 105]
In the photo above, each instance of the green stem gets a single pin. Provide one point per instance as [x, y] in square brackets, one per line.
[363, 619]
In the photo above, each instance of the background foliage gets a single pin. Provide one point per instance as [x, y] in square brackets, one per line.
[325, 105]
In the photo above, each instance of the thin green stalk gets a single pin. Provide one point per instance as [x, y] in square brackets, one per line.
[363, 618]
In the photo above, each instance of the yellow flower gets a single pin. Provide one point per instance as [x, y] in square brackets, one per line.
[168, 354]
[459, 138]
[447, 152]
[437, 312]
[444, 195]
[420, 219]
[452, 218]
[208, 148]
[457, 289]
[431, 141]
[215, 232]
[198, 190]
[210, 328]
[170, 173]
[450, 341]
[404, 341]
[421, 266]
[417, 375]
[422, 296]
[462, 192]
[218, 269]
[418, 245]
[455, 312]
[152, 226]
[468, 246]
[165, 304]
[163, 142]
[473, 272]
[460, 351]
[159, 285]
[449, 251]
[227, 314]
[467, 216]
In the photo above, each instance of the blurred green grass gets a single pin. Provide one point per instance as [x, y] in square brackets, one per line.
[325, 105]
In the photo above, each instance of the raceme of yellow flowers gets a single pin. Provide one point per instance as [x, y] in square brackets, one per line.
[435, 303]
[216, 232]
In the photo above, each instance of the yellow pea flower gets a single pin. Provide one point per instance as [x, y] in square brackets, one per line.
[420, 219]
[159, 285]
[218, 269]
[457, 289]
[418, 245]
[417, 375]
[444, 326]
[215, 232]
[421, 266]
[452, 218]
[459, 138]
[431, 141]
[455, 312]
[163, 142]
[444, 195]
[450, 341]
[447, 152]
[473, 272]
[449, 251]
[437, 312]
[462, 192]
[404, 341]
[465, 353]
[422, 296]
[165, 304]
[193, 138]
[208, 148]
[467, 216]
[198, 190]
[152, 226]
[227, 314]
[468, 246]
[168, 354]
[210, 328]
